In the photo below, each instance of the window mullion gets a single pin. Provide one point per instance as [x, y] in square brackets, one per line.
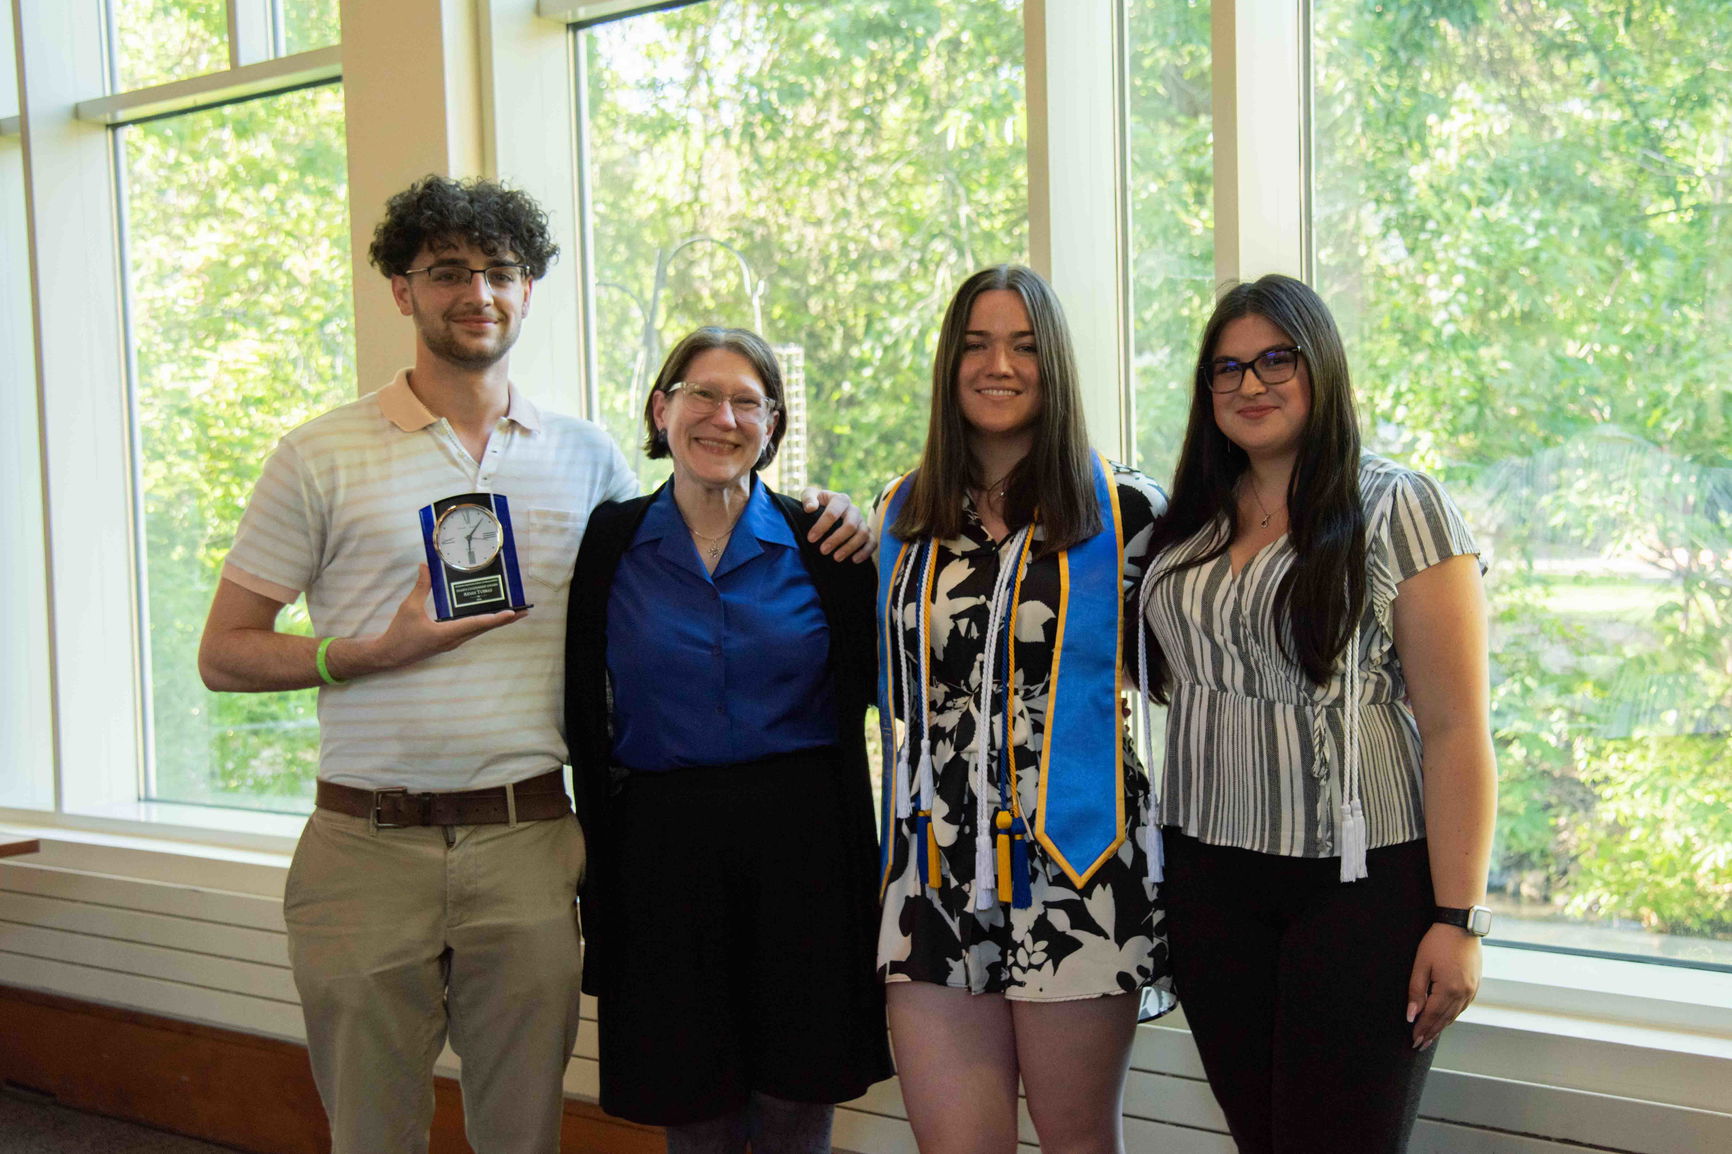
[70, 213]
[1076, 194]
[1260, 98]
[255, 31]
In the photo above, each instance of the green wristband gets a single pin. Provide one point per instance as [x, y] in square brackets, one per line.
[325, 670]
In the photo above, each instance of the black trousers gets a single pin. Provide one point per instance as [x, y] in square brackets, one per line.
[1295, 987]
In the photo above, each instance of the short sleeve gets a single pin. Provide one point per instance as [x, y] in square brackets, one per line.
[1424, 527]
[280, 537]
[1140, 502]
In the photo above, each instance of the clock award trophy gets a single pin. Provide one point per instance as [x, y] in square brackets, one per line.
[471, 556]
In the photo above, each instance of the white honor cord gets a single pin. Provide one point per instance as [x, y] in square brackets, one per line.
[985, 861]
[898, 599]
[923, 776]
[1354, 834]
[1153, 849]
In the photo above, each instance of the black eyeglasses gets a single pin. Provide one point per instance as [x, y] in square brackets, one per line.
[500, 277]
[1272, 366]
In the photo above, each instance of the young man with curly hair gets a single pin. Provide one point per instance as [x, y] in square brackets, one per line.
[431, 894]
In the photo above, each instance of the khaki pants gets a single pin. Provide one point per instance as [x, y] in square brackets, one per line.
[397, 938]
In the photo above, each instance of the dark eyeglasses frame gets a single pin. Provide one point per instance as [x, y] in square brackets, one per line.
[1257, 365]
[523, 277]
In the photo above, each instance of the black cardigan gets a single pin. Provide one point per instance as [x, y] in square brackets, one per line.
[846, 594]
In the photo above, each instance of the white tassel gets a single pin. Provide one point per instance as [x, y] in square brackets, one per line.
[904, 794]
[1155, 849]
[1352, 841]
[923, 777]
[985, 873]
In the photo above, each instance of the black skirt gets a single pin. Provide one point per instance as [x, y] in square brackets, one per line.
[741, 937]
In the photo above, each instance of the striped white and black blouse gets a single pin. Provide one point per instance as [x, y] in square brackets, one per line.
[1255, 750]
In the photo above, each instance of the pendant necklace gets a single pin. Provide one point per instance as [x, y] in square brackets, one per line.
[713, 551]
[1258, 497]
[996, 489]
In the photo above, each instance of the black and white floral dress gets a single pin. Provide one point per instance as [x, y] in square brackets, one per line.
[1068, 944]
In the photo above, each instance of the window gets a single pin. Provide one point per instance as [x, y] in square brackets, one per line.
[825, 173]
[220, 199]
[160, 41]
[237, 248]
[1526, 241]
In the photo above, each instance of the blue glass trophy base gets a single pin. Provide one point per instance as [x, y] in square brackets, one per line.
[472, 556]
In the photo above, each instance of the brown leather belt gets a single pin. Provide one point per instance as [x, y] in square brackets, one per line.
[536, 799]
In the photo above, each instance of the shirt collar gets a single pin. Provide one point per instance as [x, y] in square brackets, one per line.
[399, 405]
[760, 524]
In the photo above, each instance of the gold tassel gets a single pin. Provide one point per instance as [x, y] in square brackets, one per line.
[1002, 824]
[932, 878]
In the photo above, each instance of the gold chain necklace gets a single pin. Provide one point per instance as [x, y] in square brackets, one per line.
[713, 552]
[1258, 497]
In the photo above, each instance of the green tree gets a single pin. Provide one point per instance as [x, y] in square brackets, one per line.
[863, 158]
[239, 305]
[1522, 212]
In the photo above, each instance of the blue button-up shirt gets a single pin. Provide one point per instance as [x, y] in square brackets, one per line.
[722, 667]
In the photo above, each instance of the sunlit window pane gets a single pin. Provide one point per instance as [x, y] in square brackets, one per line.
[157, 41]
[1522, 218]
[8, 68]
[309, 24]
[1172, 215]
[827, 173]
[242, 321]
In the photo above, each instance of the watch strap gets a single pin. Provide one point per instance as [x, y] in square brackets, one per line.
[1476, 920]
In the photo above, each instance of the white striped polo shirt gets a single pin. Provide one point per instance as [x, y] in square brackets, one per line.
[334, 515]
[1254, 748]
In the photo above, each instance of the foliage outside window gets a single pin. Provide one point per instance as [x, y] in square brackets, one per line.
[308, 24]
[1524, 222]
[828, 172]
[159, 41]
[242, 323]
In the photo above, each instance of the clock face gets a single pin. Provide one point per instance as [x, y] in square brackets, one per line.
[467, 537]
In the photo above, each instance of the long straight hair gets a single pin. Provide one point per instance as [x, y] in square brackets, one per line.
[1056, 477]
[1320, 598]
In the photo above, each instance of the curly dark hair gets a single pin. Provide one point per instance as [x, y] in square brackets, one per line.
[437, 210]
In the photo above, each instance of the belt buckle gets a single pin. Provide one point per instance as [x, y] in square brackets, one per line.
[378, 796]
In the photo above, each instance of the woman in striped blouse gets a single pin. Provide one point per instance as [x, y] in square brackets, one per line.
[1317, 625]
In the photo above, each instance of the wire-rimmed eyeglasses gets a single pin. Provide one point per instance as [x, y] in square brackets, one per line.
[704, 400]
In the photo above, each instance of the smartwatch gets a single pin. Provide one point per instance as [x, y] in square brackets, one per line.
[1476, 920]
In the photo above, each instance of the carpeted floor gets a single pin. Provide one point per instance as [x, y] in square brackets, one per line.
[32, 1126]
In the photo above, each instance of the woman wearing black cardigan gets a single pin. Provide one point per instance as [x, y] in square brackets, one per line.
[718, 670]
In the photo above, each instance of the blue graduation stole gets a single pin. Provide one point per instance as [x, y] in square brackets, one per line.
[1081, 819]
